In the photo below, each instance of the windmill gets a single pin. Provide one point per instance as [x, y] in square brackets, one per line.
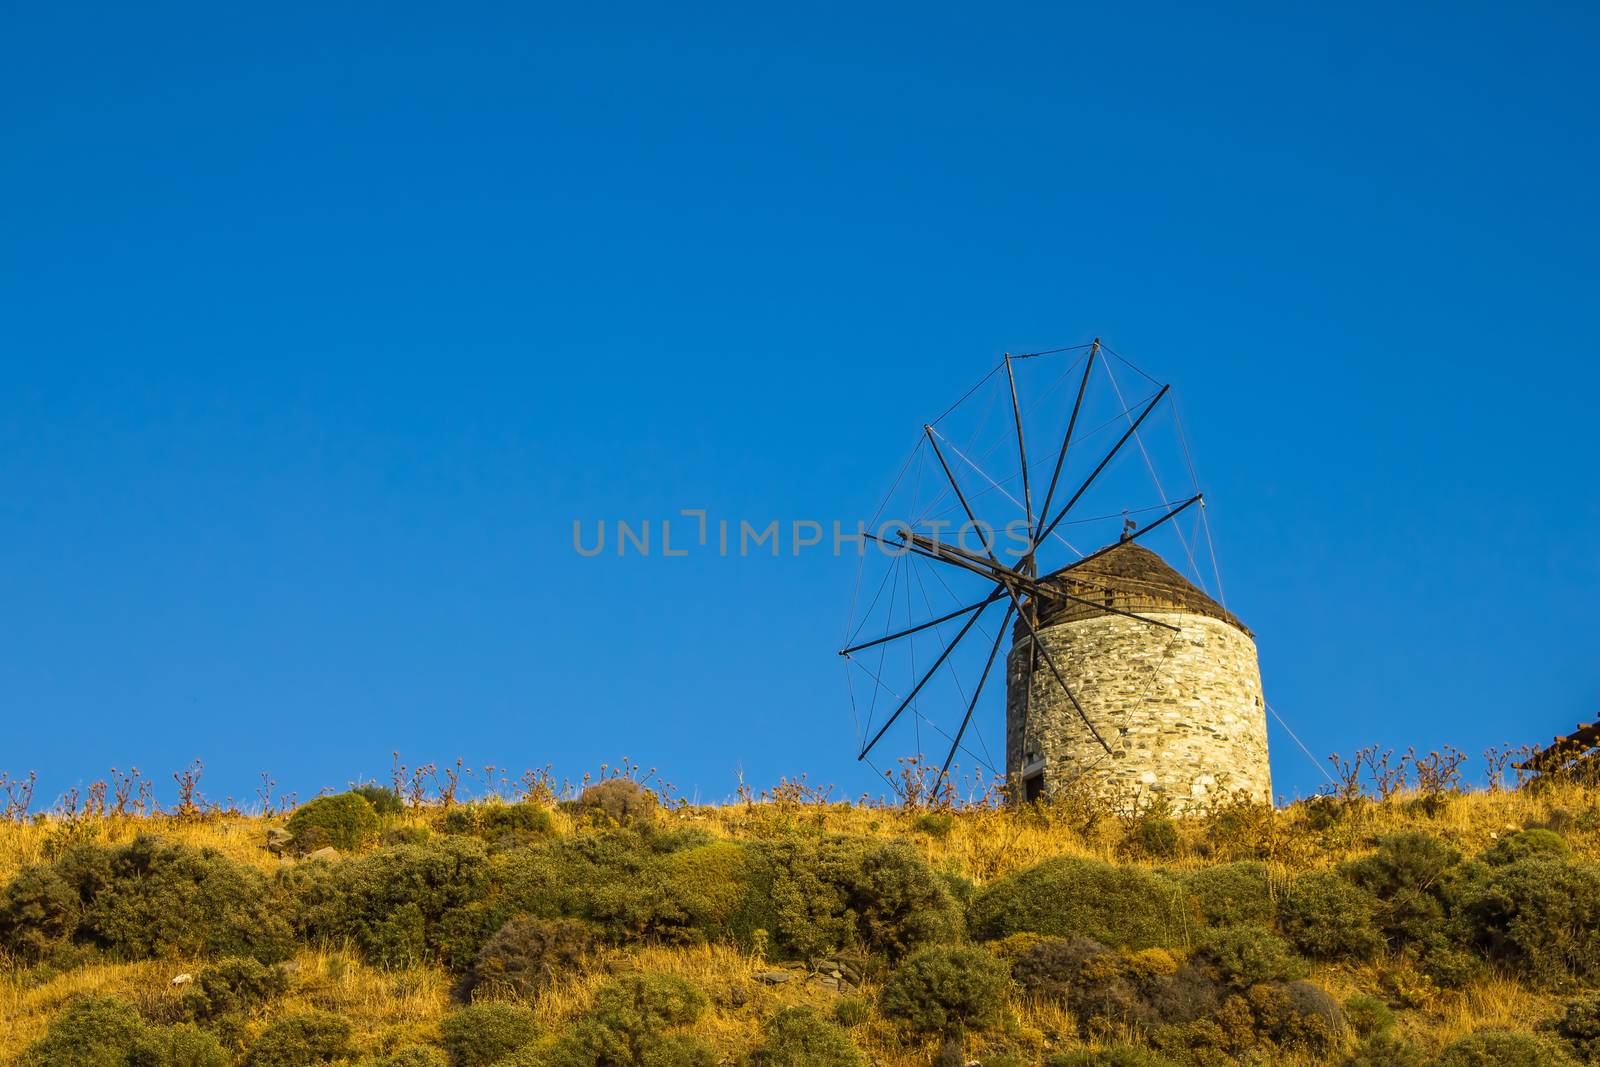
[974, 509]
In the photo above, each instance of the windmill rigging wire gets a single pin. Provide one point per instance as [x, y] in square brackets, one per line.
[850, 639]
[1167, 505]
[850, 687]
[938, 630]
[911, 572]
[1302, 744]
[1129, 363]
[1216, 569]
[977, 625]
[1033, 407]
[1052, 351]
[1205, 517]
[1151, 467]
[885, 776]
[992, 372]
[861, 568]
[1043, 464]
[883, 650]
[996, 484]
[881, 684]
[955, 675]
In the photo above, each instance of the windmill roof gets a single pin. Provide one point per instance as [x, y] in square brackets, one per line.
[1130, 577]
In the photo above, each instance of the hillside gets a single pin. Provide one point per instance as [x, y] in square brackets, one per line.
[1439, 927]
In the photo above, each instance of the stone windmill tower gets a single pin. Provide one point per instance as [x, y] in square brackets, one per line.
[1178, 712]
[1120, 674]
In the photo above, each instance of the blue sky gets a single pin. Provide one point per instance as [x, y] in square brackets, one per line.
[321, 326]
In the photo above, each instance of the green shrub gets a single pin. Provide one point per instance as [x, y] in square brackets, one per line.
[815, 896]
[635, 883]
[563, 1050]
[89, 1032]
[184, 1045]
[1052, 966]
[1232, 894]
[481, 1034]
[1153, 837]
[934, 823]
[503, 825]
[1411, 875]
[1244, 956]
[1295, 1015]
[1114, 1056]
[1110, 991]
[1385, 1049]
[617, 800]
[1501, 1048]
[1240, 830]
[802, 894]
[799, 1037]
[710, 886]
[946, 989]
[1327, 917]
[405, 835]
[900, 903]
[1119, 906]
[1368, 1015]
[961, 888]
[508, 823]
[345, 821]
[408, 1056]
[1579, 1027]
[400, 906]
[301, 1040]
[232, 985]
[1540, 914]
[384, 800]
[678, 1050]
[107, 1032]
[151, 898]
[629, 1022]
[852, 1011]
[1441, 955]
[38, 911]
[526, 954]
[637, 1004]
[1525, 843]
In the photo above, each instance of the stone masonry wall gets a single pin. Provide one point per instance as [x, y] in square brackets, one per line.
[1183, 712]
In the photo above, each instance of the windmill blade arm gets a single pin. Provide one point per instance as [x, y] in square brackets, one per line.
[965, 629]
[996, 595]
[981, 568]
[1022, 445]
[1061, 681]
[973, 703]
[1087, 482]
[1174, 513]
[954, 554]
[1066, 440]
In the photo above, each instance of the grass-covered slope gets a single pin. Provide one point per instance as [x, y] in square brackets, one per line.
[1450, 929]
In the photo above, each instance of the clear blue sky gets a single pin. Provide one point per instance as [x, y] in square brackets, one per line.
[321, 325]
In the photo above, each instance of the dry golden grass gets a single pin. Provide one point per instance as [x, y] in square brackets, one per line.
[390, 1008]
[980, 844]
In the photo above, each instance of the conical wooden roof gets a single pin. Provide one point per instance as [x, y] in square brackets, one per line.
[1129, 577]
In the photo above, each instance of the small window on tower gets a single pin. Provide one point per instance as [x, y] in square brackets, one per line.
[1033, 787]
